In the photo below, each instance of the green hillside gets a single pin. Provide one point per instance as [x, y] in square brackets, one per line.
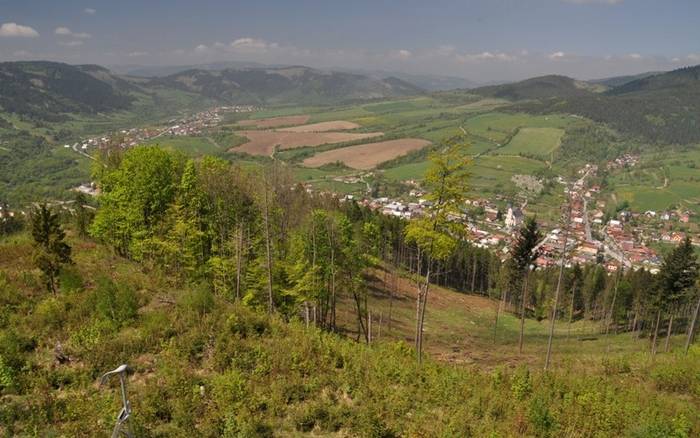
[301, 85]
[203, 365]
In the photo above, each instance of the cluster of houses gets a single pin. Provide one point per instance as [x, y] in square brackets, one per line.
[627, 160]
[192, 125]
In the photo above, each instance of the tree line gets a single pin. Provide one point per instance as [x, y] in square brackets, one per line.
[258, 237]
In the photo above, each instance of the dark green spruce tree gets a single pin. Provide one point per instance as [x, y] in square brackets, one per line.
[678, 275]
[523, 255]
[50, 250]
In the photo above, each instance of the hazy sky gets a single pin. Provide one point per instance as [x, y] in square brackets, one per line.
[483, 40]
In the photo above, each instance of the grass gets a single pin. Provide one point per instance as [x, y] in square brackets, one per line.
[645, 187]
[538, 142]
[203, 366]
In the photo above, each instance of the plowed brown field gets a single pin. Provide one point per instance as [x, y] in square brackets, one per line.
[264, 142]
[367, 156]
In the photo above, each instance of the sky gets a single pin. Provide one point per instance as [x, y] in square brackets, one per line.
[482, 40]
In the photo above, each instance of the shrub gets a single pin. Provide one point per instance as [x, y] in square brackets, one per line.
[540, 417]
[117, 303]
[615, 366]
[521, 384]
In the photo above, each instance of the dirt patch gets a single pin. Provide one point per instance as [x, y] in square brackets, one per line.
[336, 125]
[274, 122]
[264, 142]
[367, 156]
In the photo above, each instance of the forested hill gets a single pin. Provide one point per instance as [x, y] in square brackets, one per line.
[617, 81]
[284, 85]
[543, 87]
[44, 90]
[662, 109]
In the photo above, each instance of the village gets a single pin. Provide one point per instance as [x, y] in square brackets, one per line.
[192, 125]
[587, 231]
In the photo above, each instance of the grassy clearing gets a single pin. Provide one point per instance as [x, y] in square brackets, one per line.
[203, 366]
[537, 142]
[661, 181]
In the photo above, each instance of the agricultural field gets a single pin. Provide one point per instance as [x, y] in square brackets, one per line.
[660, 182]
[265, 142]
[367, 156]
[336, 125]
[534, 142]
[275, 122]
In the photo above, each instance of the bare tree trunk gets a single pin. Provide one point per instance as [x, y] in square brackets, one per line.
[571, 310]
[668, 333]
[634, 323]
[306, 313]
[332, 279]
[271, 303]
[474, 274]
[691, 331]
[656, 332]
[369, 326]
[419, 299]
[522, 312]
[239, 261]
[556, 295]
[422, 313]
[612, 305]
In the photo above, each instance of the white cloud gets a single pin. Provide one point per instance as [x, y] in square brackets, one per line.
[90, 11]
[693, 57]
[557, 55]
[202, 48]
[64, 31]
[486, 56]
[136, 54]
[17, 30]
[403, 54]
[74, 43]
[634, 56]
[252, 45]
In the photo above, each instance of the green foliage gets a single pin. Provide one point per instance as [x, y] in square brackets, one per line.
[50, 250]
[521, 383]
[115, 302]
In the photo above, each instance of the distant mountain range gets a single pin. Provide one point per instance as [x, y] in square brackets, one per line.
[428, 82]
[50, 91]
[659, 108]
[47, 90]
[295, 84]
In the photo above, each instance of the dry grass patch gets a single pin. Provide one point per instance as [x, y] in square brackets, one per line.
[367, 156]
[336, 125]
[264, 142]
[274, 122]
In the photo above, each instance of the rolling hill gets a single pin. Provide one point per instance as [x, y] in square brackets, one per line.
[285, 85]
[661, 109]
[543, 87]
[46, 90]
[51, 92]
[617, 81]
